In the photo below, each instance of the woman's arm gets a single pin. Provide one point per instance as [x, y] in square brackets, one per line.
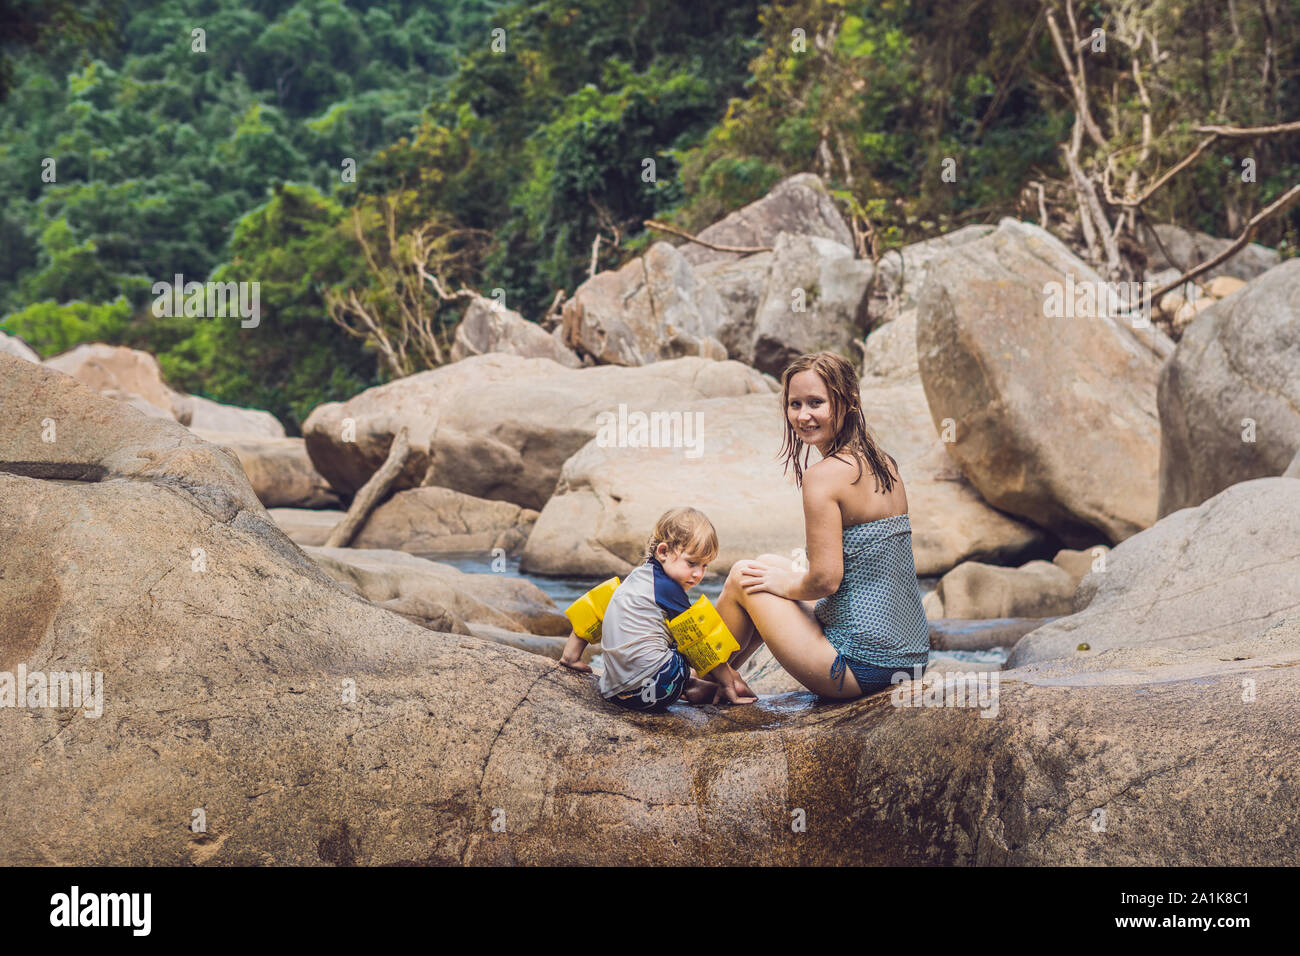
[825, 531]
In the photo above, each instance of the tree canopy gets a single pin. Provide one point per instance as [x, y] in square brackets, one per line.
[249, 141]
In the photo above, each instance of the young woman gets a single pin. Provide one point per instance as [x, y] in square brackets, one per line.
[844, 626]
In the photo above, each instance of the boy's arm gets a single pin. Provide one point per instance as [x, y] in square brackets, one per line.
[572, 656]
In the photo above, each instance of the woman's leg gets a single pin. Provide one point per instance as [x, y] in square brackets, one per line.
[744, 632]
[792, 635]
[736, 618]
[751, 644]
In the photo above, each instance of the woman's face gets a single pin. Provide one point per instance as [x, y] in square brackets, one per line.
[809, 409]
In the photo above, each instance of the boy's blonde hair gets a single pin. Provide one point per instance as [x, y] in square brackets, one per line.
[685, 530]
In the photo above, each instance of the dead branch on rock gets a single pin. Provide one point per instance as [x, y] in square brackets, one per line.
[372, 492]
[743, 250]
[552, 316]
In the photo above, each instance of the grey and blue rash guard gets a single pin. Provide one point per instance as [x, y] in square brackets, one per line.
[634, 636]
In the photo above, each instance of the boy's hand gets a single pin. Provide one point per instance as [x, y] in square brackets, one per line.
[576, 666]
[733, 686]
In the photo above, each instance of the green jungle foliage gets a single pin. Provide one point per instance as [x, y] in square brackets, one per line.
[525, 129]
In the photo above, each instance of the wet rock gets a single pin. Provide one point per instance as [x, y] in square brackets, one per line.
[812, 300]
[313, 727]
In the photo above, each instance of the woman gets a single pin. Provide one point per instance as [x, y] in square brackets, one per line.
[869, 622]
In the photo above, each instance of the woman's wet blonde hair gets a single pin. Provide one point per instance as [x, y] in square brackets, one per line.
[851, 432]
[685, 530]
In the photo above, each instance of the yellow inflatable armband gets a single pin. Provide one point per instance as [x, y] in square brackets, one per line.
[701, 636]
[586, 613]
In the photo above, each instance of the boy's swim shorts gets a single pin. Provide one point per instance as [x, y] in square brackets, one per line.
[658, 691]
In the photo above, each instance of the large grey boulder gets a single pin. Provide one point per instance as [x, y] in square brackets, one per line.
[1197, 578]
[1293, 469]
[799, 204]
[740, 284]
[487, 327]
[1229, 398]
[500, 426]
[1054, 418]
[812, 300]
[651, 309]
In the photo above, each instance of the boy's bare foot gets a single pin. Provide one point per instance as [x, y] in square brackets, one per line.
[572, 655]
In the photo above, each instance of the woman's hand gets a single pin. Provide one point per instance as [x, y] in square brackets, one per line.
[755, 576]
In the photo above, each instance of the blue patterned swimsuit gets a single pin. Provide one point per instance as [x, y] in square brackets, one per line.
[875, 619]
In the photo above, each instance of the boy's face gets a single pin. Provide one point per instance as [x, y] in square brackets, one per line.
[683, 569]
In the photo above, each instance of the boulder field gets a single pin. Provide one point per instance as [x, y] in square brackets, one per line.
[312, 727]
[500, 426]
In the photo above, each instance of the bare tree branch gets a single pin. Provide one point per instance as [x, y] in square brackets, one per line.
[1279, 205]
